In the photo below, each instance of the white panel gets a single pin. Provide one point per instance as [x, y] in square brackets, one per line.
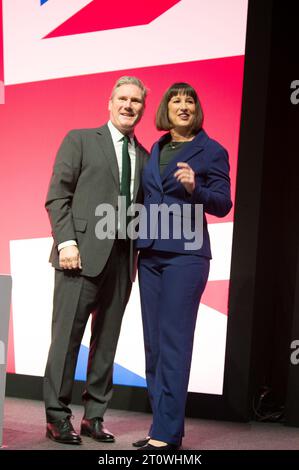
[221, 236]
[33, 282]
[32, 293]
[208, 352]
[130, 349]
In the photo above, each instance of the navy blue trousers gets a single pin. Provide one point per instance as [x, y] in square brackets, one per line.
[171, 286]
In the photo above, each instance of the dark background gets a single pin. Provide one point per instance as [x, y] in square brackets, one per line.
[264, 285]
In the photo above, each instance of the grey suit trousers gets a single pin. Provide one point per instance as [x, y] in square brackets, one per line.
[75, 298]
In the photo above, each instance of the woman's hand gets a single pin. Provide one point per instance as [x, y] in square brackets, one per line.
[186, 176]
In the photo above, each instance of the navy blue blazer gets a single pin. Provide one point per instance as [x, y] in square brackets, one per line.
[209, 161]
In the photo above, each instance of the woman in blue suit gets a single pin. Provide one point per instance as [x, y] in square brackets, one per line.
[187, 176]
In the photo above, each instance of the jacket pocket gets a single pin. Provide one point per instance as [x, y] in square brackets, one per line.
[80, 224]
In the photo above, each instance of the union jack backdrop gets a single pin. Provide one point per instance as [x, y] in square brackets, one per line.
[58, 62]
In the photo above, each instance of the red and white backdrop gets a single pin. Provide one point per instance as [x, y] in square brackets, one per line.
[60, 61]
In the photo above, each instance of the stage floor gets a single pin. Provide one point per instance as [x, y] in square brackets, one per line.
[24, 428]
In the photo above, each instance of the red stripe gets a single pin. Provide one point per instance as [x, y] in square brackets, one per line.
[216, 295]
[99, 16]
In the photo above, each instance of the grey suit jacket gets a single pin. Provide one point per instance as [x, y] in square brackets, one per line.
[85, 175]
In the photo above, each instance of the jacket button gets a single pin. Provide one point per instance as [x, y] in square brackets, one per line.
[149, 195]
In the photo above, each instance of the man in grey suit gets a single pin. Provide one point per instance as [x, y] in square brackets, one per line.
[92, 275]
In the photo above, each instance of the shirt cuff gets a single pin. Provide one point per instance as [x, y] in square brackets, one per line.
[67, 243]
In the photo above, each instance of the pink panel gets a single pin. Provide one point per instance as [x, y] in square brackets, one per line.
[100, 15]
[36, 116]
[1, 43]
[1, 58]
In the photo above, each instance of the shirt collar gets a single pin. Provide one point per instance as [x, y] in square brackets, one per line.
[117, 135]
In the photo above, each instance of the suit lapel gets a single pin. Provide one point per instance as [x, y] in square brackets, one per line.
[154, 163]
[108, 150]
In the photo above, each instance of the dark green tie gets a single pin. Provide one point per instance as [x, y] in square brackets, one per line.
[125, 185]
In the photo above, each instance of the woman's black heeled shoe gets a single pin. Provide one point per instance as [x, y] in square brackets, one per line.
[166, 448]
[141, 442]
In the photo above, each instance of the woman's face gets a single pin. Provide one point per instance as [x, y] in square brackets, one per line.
[181, 111]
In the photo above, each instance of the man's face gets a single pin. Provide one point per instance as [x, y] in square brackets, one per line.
[126, 107]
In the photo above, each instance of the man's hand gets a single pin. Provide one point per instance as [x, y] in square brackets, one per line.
[69, 258]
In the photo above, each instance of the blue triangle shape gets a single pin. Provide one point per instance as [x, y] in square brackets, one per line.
[121, 375]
